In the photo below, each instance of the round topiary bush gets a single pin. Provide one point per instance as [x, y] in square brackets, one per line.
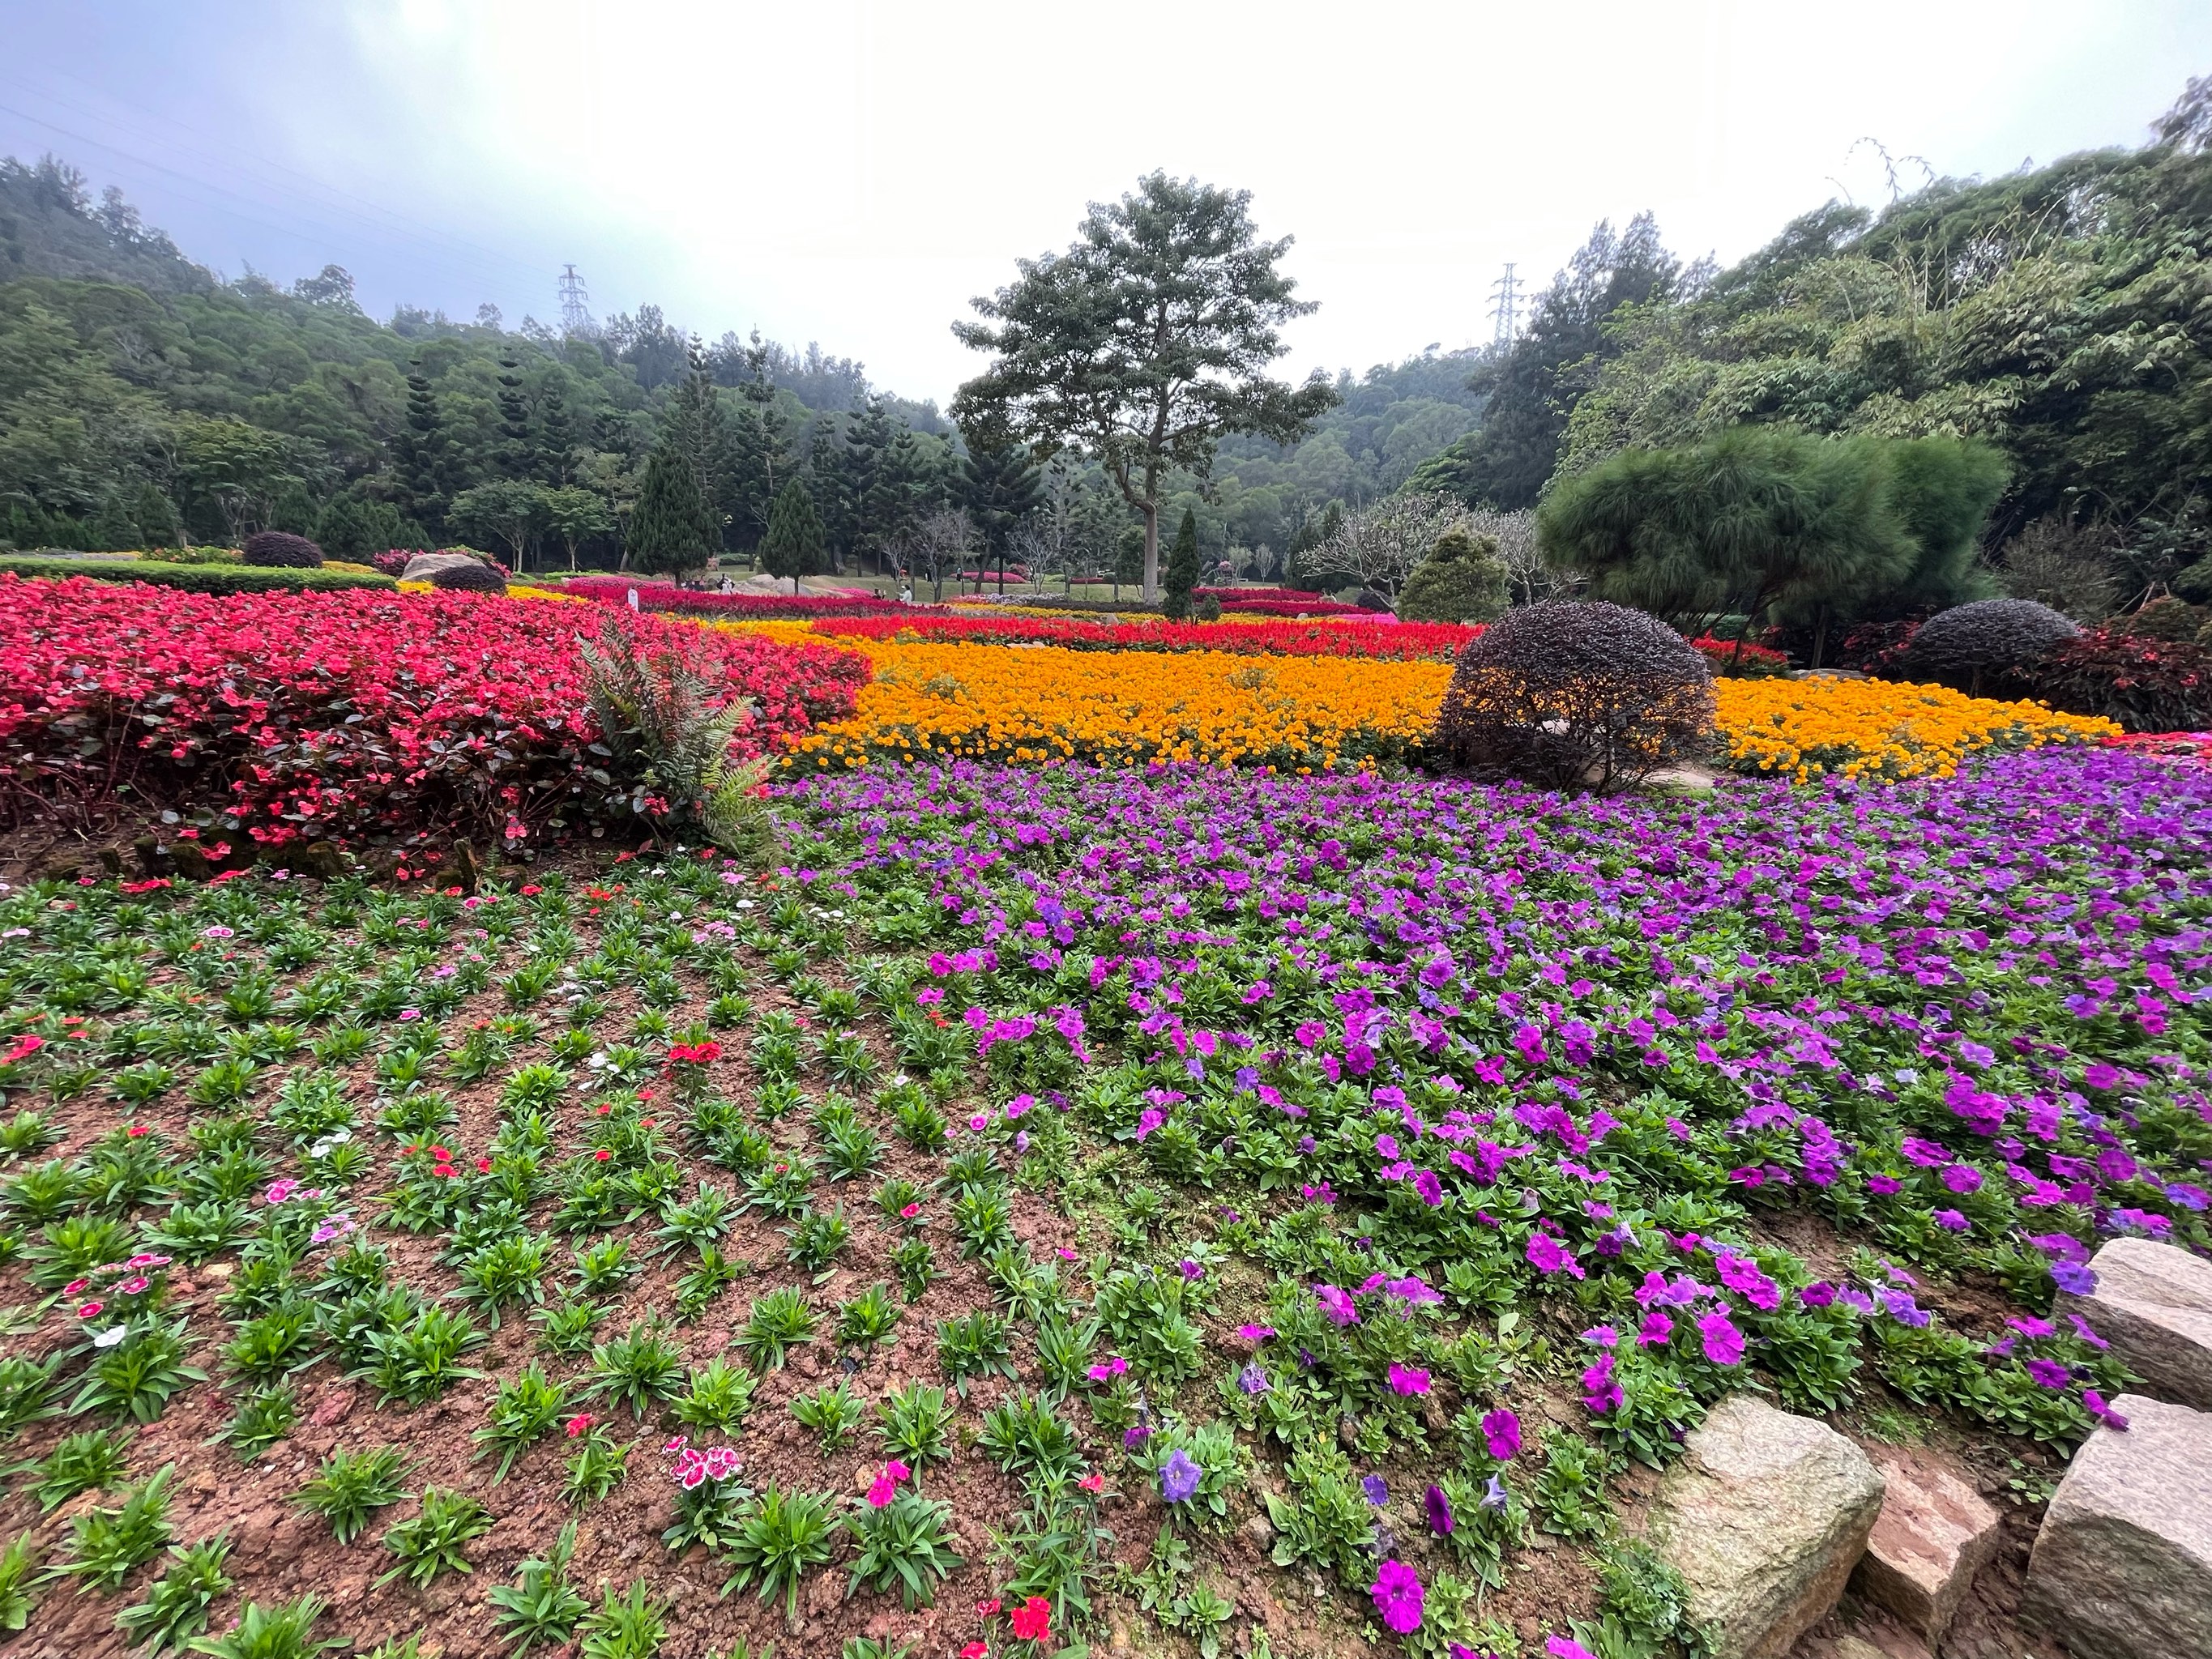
[470, 578]
[1462, 580]
[277, 549]
[1970, 645]
[1206, 607]
[1575, 697]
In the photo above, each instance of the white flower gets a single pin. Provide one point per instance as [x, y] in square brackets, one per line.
[110, 1337]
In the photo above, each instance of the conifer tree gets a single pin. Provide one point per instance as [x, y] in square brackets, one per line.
[1183, 568]
[672, 529]
[794, 543]
[516, 452]
[420, 454]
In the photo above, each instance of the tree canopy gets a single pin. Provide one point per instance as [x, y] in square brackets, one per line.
[1143, 344]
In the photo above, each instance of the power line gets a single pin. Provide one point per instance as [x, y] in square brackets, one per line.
[1505, 308]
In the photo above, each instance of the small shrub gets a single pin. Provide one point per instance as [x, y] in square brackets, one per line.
[784, 1534]
[350, 1484]
[284, 1631]
[2146, 684]
[1569, 696]
[176, 1604]
[433, 1540]
[470, 578]
[274, 550]
[1971, 644]
[1462, 580]
[906, 1545]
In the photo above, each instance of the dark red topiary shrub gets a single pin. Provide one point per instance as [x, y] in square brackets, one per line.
[470, 578]
[276, 548]
[1970, 646]
[1574, 696]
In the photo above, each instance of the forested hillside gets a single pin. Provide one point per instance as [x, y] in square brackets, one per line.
[2062, 315]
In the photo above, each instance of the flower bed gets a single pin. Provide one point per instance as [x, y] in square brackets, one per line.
[314, 715]
[1876, 728]
[685, 601]
[1049, 703]
[1269, 637]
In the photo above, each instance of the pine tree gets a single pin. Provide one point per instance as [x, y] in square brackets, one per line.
[157, 517]
[421, 457]
[830, 486]
[1181, 574]
[794, 543]
[517, 453]
[671, 529]
[113, 529]
[999, 488]
[557, 436]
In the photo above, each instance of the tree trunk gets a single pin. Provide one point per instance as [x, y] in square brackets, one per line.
[1151, 512]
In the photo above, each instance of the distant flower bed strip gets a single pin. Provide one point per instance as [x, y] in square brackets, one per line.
[685, 601]
[1877, 729]
[317, 716]
[1271, 638]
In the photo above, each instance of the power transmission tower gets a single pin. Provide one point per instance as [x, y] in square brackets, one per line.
[576, 302]
[1506, 309]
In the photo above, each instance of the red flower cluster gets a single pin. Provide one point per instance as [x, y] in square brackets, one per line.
[1394, 640]
[1753, 662]
[312, 715]
[667, 596]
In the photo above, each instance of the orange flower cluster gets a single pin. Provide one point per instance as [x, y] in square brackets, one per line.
[1043, 704]
[1877, 729]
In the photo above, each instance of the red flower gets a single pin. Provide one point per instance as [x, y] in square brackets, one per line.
[603, 1155]
[985, 1610]
[1032, 1620]
[974, 1650]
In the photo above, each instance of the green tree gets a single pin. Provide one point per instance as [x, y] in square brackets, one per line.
[577, 516]
[504, 510]
[354, 527]
[1144, 345]
[1757, 517]
[517, 451]
[1001, 488]
[1183, 568]
[557, 437]
[1462, 580]
[671, 529]
[420, 454]
[1534, 385]
[794, 545]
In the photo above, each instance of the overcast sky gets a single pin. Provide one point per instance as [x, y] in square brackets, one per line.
[852, 174]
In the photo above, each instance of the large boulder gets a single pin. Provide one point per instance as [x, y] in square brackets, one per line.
[2153, 1304]
[1934, 1532]
[1764, 1518]
[425, 567]
[2122, 1562]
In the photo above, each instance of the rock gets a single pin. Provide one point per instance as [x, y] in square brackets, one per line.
[2122, 1562]
[1765, 1519]
[334, 1407]
[423, 565]
[191, 863]
[1934, 1534]
[1262, 1531]
[321, 861]
[2153, 1304]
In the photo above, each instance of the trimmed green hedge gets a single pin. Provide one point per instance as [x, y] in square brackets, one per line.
[192, 578]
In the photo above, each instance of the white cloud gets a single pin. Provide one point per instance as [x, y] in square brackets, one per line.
[852, 172]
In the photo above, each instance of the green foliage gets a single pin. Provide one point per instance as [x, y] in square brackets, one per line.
[19, 1576]
[673, 528]
[719, 1397]
[779, 1321]
[350, 1485]
[830, 1413]
[632, 1625]
[524, 1410]
[107, 1544]
[595, 1467]
[1181, 573]
[1462, 580]
[284, 1631]
[640, 1369]
[540, 1607]
[1571, 1488]
[906, 1545]
[782, 1535]
[176, 1605]
[1023, 1436]
[795, 543]
[434, 1539]
[973, 1345]
[917, 1422]
[91, 1460]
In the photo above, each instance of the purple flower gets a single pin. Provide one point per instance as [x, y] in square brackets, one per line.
[1179, 1477]
[1378, 1494]
[2094, 1403]
[1501, 1433]
[2048, 1373]
[1493, 1495]
[1408, 1379]
[1949, 1220]
[1253, 1379]
[1723, 1342]
[1397, 1592]
[1562, 1647]
[1135, 1438]
[1337, 1304]
[2074, 1279]
[1190, 1270]
[1439, 1509]
[1546, 1256]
